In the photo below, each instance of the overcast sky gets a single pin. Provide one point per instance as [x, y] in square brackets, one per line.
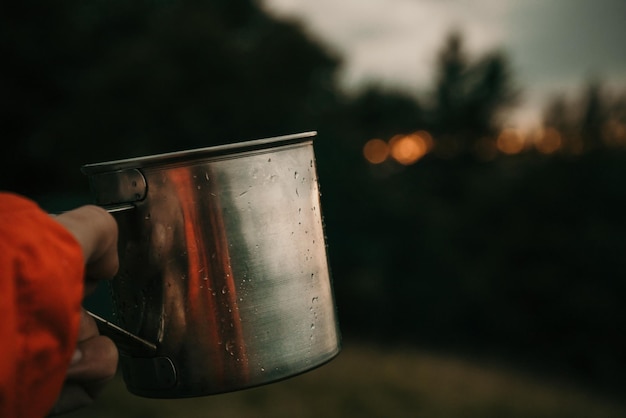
[554, 45]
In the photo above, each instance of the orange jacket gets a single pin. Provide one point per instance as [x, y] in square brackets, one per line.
[41, 291]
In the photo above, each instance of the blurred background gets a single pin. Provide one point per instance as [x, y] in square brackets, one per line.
[472, 163]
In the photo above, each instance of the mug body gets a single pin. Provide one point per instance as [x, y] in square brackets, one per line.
[223, 266]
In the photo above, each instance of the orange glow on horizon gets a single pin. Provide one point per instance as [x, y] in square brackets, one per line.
[404, 149]
[407, 149]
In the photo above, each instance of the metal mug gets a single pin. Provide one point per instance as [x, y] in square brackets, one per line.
[224, 282]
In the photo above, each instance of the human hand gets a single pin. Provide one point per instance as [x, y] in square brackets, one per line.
[96, 231]
[95, 360]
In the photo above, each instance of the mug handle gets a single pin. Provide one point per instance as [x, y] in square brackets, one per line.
[127, 342]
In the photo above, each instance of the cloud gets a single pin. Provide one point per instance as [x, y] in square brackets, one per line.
[393, 42]
[554, 45]
[564, 38]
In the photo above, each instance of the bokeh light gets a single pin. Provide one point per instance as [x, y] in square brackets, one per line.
[510, 141]
[376, 151]
[614, 132]
[407, 149]
[549, 140]
[427, 138]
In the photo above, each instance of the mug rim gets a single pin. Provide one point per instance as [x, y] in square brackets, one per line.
[198, 153]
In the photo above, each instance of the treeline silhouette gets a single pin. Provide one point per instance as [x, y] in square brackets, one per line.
[463, 233]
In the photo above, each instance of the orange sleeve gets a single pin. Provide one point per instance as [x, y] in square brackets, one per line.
[41, 291]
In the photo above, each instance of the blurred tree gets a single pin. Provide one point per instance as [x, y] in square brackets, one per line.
[592, 121]
[363, 212]
[469, 97]
[594, 117]
[382, 113]
[86, 82]
[615, 127]
[556, 114]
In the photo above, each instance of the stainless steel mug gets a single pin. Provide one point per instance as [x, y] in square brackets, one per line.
[224, 280]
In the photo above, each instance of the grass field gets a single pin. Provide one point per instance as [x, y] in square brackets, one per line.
[367, 381]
